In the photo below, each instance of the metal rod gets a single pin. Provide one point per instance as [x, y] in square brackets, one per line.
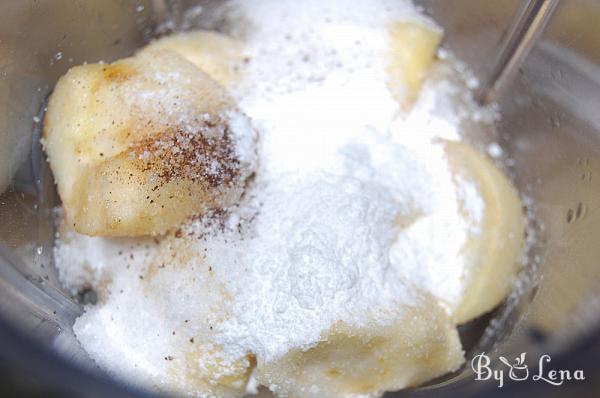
[527, 26]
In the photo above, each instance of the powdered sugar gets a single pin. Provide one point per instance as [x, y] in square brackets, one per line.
[319, 254]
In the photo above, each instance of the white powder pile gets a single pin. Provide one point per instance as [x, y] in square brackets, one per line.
[352, 210]
[319, 254]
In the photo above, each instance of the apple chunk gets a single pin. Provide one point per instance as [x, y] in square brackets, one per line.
[140, 145]
[365, 361]
[413, 49]
[493, 251]
[216, 54]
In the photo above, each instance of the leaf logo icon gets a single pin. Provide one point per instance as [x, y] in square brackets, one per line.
[518, 371]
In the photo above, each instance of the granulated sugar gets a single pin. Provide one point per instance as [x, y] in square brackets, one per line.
[353, 209]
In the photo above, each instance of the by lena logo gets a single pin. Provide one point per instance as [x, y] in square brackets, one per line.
[519, 371]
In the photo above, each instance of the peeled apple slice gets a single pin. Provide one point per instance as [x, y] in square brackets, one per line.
[214, 53]
[493, 253]
[140, 145]
[369, 360]
[413, 48]
[214, 378]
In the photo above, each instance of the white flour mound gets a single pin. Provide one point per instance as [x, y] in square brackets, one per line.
[352, 209]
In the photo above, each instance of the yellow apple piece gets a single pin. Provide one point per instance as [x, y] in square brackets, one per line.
[421, 344]
[413, 49]
[493, 251]
[140, 145]
[216, 54]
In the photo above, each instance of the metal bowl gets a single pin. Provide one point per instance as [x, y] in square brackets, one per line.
[549, 130]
